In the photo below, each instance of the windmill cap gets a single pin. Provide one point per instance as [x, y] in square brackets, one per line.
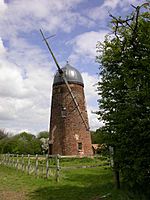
[71, 74]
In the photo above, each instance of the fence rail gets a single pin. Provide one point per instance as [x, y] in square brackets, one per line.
[47, 166]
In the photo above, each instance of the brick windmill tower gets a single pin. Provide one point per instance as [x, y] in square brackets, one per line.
[69, 128]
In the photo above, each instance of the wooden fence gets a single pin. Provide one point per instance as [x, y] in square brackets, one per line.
[47, 166]
[40, 166]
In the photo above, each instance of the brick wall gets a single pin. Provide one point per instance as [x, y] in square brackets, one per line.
[66, 126]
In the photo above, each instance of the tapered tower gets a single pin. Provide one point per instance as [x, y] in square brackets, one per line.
[69, 128]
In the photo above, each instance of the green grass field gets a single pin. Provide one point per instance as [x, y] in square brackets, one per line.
[78, 184]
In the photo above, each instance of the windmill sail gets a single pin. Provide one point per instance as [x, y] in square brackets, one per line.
[66, 82]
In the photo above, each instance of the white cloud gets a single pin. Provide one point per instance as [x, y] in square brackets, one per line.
[91, 97]
[90, 82]
[93, 118]
[25, 102]
[84, 45]
[24, 89]
[102, 11]
[11, 82]
[27, 16]
[3, 7]
[2, 48]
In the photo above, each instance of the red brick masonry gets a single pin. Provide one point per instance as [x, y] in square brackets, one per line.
[68, 134]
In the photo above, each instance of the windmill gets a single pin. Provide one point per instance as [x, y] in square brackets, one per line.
[62, 77]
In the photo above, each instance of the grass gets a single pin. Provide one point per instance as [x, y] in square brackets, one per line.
[68, 162]
[81, 184]
[65, 163]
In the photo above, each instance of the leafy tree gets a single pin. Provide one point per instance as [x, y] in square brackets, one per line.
[125, 95]
[97, 137]
[27, 143]
[23, 143]
[3, 134]
[43, 134]
[5, 146]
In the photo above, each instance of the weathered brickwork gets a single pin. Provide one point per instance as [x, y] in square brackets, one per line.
[68, 134]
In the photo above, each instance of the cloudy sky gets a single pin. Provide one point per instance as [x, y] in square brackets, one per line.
[26, 67]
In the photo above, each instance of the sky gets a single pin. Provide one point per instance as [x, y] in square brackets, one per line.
[26, 67]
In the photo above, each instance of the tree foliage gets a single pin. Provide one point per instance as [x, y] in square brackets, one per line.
[97, 137]
[43, 134]
[23, 143]
[3, 134]
[124, 91]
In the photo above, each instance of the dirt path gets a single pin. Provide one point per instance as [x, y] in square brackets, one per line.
[13, 195]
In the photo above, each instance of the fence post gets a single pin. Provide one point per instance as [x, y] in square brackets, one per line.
[4, 159]
[28, 168]
[47, 166]
[13, 160]
[36, 165]
[17, 162]
[22, 163]
[57, 168]
[11, 163]
[8, 159]
[43, 166]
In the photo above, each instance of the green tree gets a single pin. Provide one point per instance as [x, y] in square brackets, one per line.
[3, 134]
[97, 137]
[43, 134]
[5, 143]
[23, 143]
[26, 143]
[124, 104]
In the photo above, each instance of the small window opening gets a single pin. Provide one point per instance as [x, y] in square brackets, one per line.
[63, 112]
[79, 146]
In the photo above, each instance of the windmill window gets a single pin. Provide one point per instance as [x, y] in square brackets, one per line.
[63, 112]
[79, 146]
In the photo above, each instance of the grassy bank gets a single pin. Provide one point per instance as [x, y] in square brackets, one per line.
[81, 184]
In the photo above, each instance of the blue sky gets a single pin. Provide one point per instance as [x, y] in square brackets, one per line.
[26, 67]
